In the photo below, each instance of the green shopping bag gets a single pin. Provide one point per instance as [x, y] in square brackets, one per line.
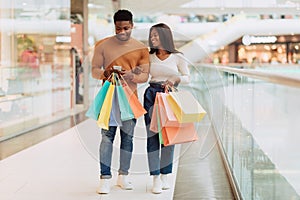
[135, 105]
[126, 111]
[94, 110]
[161, 141]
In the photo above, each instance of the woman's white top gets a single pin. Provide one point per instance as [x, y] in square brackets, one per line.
[174, 65]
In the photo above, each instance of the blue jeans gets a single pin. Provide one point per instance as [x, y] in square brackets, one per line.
[160, 157]
[106, 148]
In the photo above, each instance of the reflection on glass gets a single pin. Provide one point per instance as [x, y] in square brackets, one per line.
[35, 72]
[259, 133]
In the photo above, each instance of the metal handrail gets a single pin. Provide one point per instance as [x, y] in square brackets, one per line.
[266, 76]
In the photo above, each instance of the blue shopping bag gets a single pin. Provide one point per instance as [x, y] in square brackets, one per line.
[94, 109]
[115, 114]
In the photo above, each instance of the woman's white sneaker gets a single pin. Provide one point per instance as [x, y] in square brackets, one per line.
[156, 188]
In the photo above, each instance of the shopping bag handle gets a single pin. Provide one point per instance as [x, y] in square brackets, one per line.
[114, 78]
[109, 78]
[117, 79]
[122, 79]
[169, 88]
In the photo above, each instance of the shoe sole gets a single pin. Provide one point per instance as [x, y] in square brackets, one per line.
[127, 188]
[157, 192]
[124, 187]
[102, 192]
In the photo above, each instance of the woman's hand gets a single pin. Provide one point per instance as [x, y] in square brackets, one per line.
[172, 81]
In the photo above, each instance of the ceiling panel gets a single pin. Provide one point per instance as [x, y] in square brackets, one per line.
[157, 7]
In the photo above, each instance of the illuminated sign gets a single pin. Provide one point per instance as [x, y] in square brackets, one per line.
[64, 39]
[247, 39]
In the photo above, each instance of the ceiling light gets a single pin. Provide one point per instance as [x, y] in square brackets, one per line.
[92, 5]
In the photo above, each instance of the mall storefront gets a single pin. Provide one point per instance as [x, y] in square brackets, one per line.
[263, 50]
[39, 80]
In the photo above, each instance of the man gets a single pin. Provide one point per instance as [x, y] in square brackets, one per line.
[119, 50]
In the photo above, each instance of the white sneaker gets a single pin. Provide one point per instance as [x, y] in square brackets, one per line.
[124, 183]
[165, 183]
[104, 187]
[156, 188]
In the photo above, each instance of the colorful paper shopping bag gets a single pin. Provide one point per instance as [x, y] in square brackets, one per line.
[125, 109]
[167, 116]
[135, 105]
[103, 119]
[154, 117]
[95, 107]
[160, 136]
[115, 114]
[155, 124]
[185, 107]
[179, 135]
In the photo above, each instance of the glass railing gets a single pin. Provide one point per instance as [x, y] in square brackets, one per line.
[256, 117]
[30, 98]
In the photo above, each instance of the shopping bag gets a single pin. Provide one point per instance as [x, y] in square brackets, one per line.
[167, 116]
[154, 116]
[125, 109]
[185, 107]
[115, 114]
[135, 105]
[179, 135]
[161, 140]
[104, 116]
[95, 107]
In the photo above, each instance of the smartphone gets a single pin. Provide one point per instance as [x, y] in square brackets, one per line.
[119, 68]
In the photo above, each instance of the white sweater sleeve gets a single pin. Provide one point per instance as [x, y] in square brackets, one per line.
[183, 69]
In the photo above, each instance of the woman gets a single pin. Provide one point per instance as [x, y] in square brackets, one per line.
[167, 67]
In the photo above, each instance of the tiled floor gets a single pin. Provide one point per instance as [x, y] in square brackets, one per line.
[201, 174]
[65, 166]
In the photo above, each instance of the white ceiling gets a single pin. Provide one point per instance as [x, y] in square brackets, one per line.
[198, 7]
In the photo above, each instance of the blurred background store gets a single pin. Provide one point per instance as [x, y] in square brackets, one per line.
[47, 31]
